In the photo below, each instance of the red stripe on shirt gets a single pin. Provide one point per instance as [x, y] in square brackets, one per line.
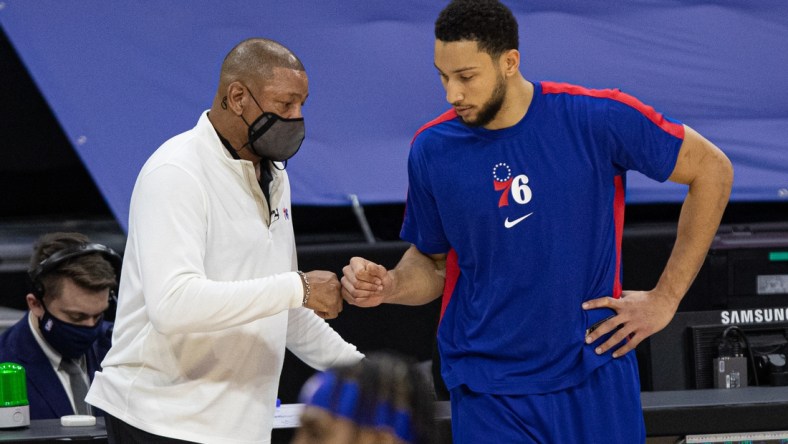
[452, 268]
[448, 115]
[452, 274]
[618, 217]
[674, 129]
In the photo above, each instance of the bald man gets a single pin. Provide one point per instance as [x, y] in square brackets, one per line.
[210, 292]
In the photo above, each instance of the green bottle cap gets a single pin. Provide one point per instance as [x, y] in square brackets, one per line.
[13, 388]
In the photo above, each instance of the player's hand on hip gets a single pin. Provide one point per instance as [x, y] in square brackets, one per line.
[639, 314]
[365, 283]
[324, 298]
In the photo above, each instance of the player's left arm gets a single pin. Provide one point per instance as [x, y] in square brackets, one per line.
[709, 174]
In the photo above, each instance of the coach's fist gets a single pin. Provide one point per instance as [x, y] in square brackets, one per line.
[324, 296]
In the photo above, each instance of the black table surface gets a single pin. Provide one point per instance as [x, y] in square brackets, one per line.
[687, 412]
[45, 430]
[666, 413]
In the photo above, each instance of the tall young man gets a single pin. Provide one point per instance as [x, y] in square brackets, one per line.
[524, 182]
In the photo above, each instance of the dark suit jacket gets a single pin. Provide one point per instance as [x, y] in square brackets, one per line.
[47, 397]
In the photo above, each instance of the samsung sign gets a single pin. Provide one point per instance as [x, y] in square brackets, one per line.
[754, 315]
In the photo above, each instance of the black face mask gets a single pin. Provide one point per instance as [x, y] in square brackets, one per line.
[273, 137]
[70, 340]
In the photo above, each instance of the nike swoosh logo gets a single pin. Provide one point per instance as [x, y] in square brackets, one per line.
[510, 223]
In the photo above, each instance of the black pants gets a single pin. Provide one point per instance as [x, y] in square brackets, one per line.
[118, 432]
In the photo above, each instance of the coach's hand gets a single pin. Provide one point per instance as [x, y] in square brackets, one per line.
[324, 298]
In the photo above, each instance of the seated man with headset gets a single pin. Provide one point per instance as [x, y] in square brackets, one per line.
[63, 338]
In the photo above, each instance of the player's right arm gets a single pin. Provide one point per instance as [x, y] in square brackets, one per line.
[417, 279]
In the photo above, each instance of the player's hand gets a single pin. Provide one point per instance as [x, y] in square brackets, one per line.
[639, 314]
[324, 298]
[365, 283]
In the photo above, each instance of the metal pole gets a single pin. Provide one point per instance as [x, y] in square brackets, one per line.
[358, 210]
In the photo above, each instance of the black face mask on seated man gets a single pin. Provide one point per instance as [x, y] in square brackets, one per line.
[274, 137]
[70, 340]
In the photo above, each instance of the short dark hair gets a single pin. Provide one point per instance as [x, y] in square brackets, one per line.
[487, 22]
[90, 271]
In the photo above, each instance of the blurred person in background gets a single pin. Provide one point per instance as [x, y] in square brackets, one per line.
[384, 399]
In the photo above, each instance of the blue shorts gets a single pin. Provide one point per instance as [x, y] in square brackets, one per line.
[605, 408]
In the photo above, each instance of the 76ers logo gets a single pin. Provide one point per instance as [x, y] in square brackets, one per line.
[516, 186]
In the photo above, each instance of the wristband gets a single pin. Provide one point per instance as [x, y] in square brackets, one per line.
[307, 287]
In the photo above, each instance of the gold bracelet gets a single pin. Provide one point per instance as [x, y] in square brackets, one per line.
[307, 287]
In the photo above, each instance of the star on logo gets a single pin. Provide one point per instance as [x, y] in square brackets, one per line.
[501, 172]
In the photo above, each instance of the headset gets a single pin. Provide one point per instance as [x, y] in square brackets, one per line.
[60, 257]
